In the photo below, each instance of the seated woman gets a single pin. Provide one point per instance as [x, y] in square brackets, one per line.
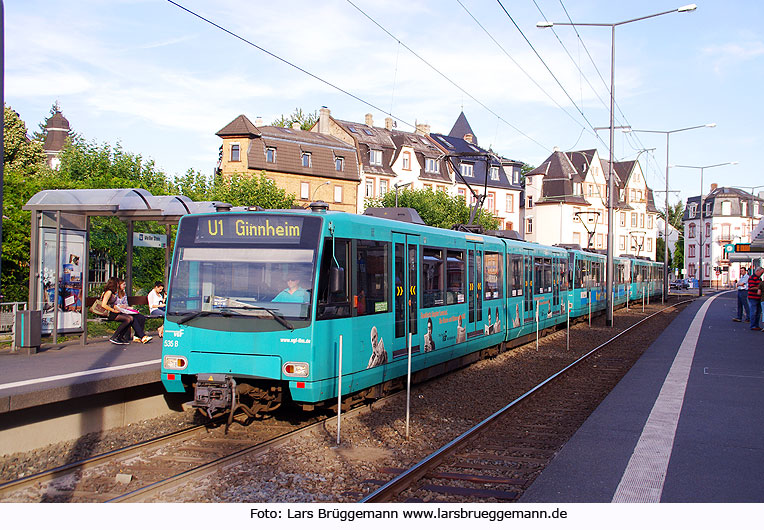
[157, 304]
[138, 321]
[108, 302]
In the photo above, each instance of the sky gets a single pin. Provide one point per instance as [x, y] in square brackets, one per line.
[161, 82]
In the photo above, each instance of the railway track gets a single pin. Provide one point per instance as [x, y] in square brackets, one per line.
[499, 458]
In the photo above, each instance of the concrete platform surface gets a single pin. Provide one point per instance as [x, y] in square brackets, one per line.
[686, 424]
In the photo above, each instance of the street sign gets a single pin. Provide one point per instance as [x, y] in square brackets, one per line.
[149, 240]
[730, 247]
[742, 247]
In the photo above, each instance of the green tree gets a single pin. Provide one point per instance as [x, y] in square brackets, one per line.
[435, 208]
[247, 190]
[25, 173]
[660, 250]
[19, 150]
[306, 121]
[678, 261]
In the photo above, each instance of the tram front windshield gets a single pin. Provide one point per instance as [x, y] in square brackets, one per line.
[244, 272]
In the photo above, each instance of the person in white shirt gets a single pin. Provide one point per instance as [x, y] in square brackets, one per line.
[157, 304]
[742, 296]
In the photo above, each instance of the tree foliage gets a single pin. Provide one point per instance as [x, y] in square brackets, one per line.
[435, 208]
[306, 121]
[19, 151]
[89, 165]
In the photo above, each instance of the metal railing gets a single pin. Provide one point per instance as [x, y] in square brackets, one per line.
[8, 312]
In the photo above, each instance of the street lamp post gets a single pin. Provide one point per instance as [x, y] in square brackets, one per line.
[700, 232]
[610, 221]
[665, 221]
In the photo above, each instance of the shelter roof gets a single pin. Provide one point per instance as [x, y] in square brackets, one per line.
[125, 203]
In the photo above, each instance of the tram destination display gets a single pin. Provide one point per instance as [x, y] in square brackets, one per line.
[280, 229]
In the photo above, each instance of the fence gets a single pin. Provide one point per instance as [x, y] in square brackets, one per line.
[8, 312]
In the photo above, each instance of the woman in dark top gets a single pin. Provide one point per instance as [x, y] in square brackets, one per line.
[108, 302]
[138, 321]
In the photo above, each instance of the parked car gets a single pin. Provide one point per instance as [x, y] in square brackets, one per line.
[680, 283]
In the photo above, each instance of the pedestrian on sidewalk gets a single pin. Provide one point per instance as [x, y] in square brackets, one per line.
[742, 296]
[754, 298]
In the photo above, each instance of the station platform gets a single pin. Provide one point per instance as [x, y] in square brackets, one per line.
[70, 370]
[686, 424]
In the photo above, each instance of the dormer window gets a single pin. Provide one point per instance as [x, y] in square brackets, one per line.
[235, 153]
[494, 173]
[306, 160]
[375, 157]
[466, 170]
[431, 165]
[270, 155]
[339, 163]
[693, 210]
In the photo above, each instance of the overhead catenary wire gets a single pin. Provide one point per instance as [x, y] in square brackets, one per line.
[444, 76]
[509, 56]
[559, 83]
[285, 61]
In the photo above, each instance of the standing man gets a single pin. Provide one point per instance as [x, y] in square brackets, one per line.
[742, 296]
[754, 298]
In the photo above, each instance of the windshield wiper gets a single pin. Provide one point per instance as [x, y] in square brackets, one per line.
[229, 312]
[194, 314]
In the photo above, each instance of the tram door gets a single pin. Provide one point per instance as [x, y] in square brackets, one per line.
[556, 280]
[475, 289]
[528, 309]
[406, 274]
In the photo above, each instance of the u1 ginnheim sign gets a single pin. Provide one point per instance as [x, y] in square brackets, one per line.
[149, 240]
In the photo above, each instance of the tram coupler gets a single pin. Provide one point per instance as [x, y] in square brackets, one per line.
[214, 392]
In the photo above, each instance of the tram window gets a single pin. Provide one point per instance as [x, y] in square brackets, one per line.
[432, 277]
[548, 274]
[333, 305]
[372, 263]
[454, 276]
[515, 274]
[492, 275]
[563, 275]
[538, 274]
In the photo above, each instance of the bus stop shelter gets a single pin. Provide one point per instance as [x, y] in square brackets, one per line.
[60, 245]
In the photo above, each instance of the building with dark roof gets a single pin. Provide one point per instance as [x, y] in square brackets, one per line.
[483, 173]
[566, 202]
[56, 133]
[313, 166]
[729, 216]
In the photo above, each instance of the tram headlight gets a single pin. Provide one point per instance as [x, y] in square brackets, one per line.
[175, 362]
[296, 369]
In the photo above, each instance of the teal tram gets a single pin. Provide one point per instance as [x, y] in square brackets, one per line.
[259, 302]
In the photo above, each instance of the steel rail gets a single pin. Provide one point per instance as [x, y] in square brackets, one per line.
[151, 490]
[96, 460]
[395, 486]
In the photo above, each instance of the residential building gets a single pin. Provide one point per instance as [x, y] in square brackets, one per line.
[566, 202]
[482, 172]
[729, 216]
[310, 165]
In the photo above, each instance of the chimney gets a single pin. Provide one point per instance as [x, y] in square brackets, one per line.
[389, 124]
[422, 128]
[323, 120]
[259, 121]
[713, 186]
[296, 126]
[369, 120]
[468, 138]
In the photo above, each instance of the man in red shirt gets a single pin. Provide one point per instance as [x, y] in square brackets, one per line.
[754, 298]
